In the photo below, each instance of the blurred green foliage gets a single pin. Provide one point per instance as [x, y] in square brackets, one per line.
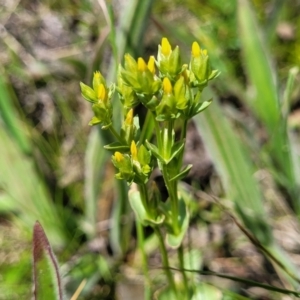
[52, 165]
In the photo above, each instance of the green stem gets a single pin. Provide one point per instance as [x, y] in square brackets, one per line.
[181, 265]
[144, 197]
[182, 138]
[165, 260]
[141, 239]
[115, 134]
[158, 136]
[170, 136]
[184, 129]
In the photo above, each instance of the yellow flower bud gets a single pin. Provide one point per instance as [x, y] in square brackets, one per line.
[165, 47]
[196, 51]
[129, 117]
[119, 156]
[101, 92]
[151, 64]
[97, 75]
[141, 65]
[167, 86]
[133, 150]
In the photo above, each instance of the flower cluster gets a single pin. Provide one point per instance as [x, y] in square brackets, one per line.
[169, 89]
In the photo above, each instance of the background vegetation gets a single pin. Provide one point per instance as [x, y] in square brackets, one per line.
[245, 147]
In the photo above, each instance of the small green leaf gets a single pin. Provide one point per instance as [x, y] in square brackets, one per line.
[116, 146]
[176, 149]
[94, 121]
[201, 106]
[183, 173]
[155, 152]
[140, 210]
[47, 282]
[174, 240]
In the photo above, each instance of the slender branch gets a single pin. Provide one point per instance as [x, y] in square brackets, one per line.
[242, 280]
[115, 134]
[144, 197]
[181, 264]
[141, 239]
[165, 260]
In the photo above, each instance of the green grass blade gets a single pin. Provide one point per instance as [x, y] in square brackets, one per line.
[264, 100]
[236, 171]
[235, 168]
[287, 96]
[20, 181]
[11, 117]
[95, 159]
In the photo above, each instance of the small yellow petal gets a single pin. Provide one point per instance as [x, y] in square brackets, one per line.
[167, 86]
[101, 92]
[119, 156]
[129, 117]
[97, 74]
[133, 150]
[141, 65]
[204, 52]
[196, 51]
[165, 47]
[151, 64]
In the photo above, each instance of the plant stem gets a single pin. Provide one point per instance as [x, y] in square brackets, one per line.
[158, 136]
[181, 265]
[144, 197]
[115, 134]
[141, 239]
[165, 260]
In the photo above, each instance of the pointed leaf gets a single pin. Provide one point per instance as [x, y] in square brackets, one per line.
[47, 282]
[201, 106]
[182, 174]
[176, 149]
[155, 152]
[116, 146]
[140, 211]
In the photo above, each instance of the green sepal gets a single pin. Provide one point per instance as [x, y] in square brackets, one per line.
[175, 62]
[94, 121]
[164, 117]
[88, 93]
[201, 106]
[175, 240]
[183, 173]
[197, 107]
[124, 166]
[140, 211]
[117, 146]
[144, 157]
[180, 94]
[106, 126]
[169, 65]
[214, 74]
[127, 95]
[148, 102]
